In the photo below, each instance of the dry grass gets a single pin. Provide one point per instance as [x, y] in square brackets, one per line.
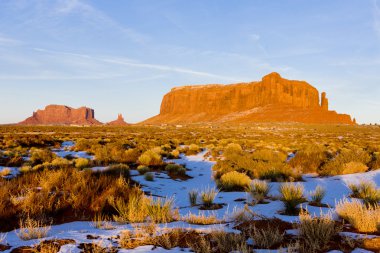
[317, 232]
[193, 197]
[208, 196]
[367, 191]
[318, 194]
[291, 196]
[259, 190]
[266, 238]
[102, 222]
[201, 218]
[363, 218]
[229, 242]
[32, 229]
[202, 245]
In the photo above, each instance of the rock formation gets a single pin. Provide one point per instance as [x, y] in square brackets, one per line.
[273, 99]
[62, 115]
[118, 122]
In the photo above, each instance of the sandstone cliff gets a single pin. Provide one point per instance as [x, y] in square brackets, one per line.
[118, 122]
[62, 115]
[273, 99]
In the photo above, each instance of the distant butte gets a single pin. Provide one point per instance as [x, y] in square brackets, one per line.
[62, 115]
[273, 99]
[118, 122]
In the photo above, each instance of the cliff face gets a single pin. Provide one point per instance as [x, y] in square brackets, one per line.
[273, 99]
[118, 122]
[62, 115]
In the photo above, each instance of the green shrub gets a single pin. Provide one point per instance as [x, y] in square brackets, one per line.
[175, 169]
[291, 196]
[121, 169]
[149, 176]
[143, 169]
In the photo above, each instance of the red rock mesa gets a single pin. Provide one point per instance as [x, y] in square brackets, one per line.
[118, 122]
[273, 99]
[62, 115]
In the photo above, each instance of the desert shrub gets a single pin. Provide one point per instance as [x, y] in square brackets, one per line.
[266, 237]
[143, 169]
[258, 190]
[193, 196]
[291, 196]
[367, 191]
[317, 231]
[231, 149]
[208, 196]
[149, 176]
[363, 218]
[117, 169]
[234, 181]
[81, 163]
[280, 173]
[309, 159]
[175, 169]
[60, 163]
[346, 162]
[131, 155]
[193, 149]
[174, 154]
[267, 155]
[318, 194]
[39, 156]
[353, 167]
[150, 158]
[32, 229]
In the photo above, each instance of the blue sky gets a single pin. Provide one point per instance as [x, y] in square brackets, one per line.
[122, 56]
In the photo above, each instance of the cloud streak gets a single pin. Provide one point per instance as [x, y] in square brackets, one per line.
[126, 62]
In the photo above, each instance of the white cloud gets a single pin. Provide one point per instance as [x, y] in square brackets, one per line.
[97, 18]
[6, 41]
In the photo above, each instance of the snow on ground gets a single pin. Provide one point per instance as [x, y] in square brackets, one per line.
[64, 151]
[200, 170]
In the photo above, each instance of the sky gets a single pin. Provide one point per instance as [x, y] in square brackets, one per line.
[122, 56]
